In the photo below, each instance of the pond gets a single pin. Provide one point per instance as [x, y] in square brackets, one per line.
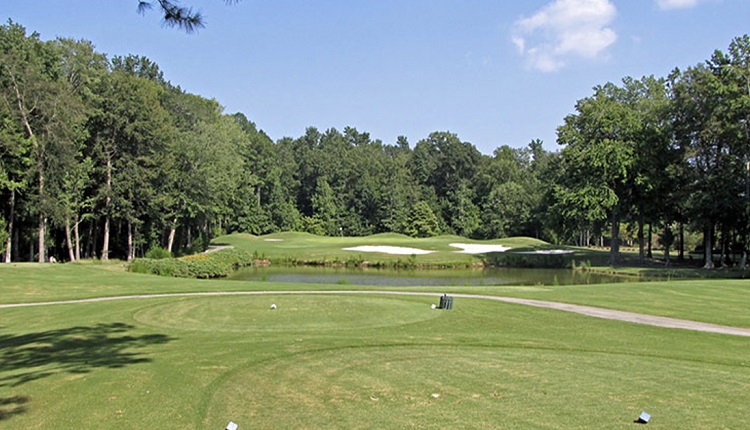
[426, 278]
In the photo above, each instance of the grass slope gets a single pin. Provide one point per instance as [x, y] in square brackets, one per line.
[308, 248]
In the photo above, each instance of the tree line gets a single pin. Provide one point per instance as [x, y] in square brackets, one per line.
[105, 158]
[670, 151]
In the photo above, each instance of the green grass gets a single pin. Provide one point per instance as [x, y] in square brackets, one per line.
[305, 248]
[598, 260]
[723, 302]
[361, 361]
[292, 247]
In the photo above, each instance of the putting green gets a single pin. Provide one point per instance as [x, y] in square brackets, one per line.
[298, 313]
[423, 386]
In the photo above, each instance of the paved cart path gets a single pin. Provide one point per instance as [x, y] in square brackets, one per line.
[579, 309]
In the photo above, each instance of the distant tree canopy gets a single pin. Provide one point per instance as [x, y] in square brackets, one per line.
[105, 158]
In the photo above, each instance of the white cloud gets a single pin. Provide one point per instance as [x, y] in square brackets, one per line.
[565, 29]
[676, 4]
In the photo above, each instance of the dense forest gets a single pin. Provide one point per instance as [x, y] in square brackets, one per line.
[105, 158]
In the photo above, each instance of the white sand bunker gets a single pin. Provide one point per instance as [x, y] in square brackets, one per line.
[547, 252]
[274, 240]
[397, 250]
[473, 248]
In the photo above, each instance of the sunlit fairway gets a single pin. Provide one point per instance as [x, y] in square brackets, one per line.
[368, 361]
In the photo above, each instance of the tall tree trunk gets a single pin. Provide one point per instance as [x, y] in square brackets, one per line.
[723, 262]
[68, 240]
[743, 260]
[105, 240]
[745, 235]
[16, 249]
[172, 231]
[42, 216]
[681, 252]
[30, 134]
[42, 236]
[745, 243]
[135, 244]
[11, 218]
[91, 245]
[131, 249]
[107, 203]
[641, 244]
[614, 250]
[77, 238]
[708, 248]
[649, 253]
[668, 240]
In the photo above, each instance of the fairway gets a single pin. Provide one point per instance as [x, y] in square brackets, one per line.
[295, 313]
[370, 360]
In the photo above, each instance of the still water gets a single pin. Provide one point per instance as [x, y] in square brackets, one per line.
[413, 278]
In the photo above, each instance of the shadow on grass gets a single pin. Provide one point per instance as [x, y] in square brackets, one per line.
[77, 350]
[10, 406]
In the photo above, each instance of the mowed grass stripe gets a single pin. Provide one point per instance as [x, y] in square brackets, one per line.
[722, 302]
[475, 387]
[222, 312]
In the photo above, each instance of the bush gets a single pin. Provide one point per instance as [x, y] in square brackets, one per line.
[525, 259]
[158, 253]
[214, 265]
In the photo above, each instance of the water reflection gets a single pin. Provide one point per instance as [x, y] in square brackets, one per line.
[412, 278]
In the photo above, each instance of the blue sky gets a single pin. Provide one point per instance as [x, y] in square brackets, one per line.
[493, 72]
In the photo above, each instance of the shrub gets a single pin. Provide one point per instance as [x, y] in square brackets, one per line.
[158, 253]
[214, 265]
[522, 258]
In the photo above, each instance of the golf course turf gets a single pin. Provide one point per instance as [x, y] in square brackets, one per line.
[366, 360]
